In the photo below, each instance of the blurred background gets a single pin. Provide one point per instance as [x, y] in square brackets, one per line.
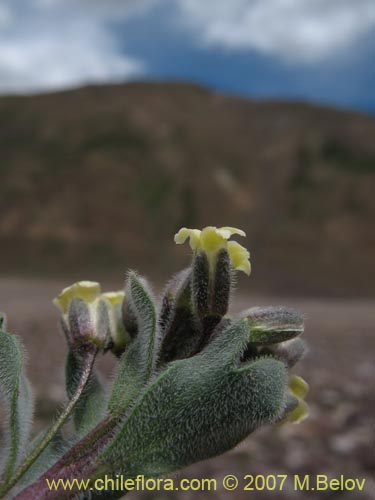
[122, 121]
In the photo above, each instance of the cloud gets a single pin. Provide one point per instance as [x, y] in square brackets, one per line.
[299, 31]
[99, 9]
[54, 47]
[5, 16]
[49, 44]
[50, 64]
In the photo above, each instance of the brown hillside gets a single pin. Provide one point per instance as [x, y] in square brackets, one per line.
[96, 180]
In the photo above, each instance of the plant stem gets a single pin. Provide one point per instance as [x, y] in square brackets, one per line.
[80, 462]
[88, 363]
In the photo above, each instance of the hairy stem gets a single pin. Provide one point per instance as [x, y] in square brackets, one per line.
[80, 462]
[88, 363]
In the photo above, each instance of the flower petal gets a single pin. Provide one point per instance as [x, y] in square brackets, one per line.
[114, 297]
[298, 386]
[227, 231]
[240, 257]
[85, 290]
[185, 233]
[211, 239]
[300, 413]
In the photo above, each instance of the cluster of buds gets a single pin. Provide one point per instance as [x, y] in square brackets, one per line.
[273, 330]
[193, 379]
[194, 309]
[197, 298]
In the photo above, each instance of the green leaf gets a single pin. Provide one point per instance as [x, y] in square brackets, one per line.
[88, 361]
[92, 404]
[53, 452]
[17, 403]
[199, 407]
[138, 363]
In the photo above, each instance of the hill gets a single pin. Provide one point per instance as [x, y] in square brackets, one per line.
[96, 180]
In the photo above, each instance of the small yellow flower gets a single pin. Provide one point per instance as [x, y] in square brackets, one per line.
[299, 388]
[212, 239]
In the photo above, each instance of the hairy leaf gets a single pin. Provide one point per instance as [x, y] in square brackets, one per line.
[199, 407]
[138, 363]
[17, 403]
[46, 459]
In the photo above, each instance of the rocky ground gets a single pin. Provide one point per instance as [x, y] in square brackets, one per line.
[337, 439]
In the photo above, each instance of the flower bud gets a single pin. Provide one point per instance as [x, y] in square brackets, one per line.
[290, 351]
[181, 330]
[119, 335]
[201, 285]
[176, 296]
[91, 317]
[271, 325]
[298, 389]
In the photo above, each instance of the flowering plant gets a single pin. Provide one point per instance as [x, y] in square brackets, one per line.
[192, 380]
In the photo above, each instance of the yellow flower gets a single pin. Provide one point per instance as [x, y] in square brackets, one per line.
[212, 239]
[299, 388]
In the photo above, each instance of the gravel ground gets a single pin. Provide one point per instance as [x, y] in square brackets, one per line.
[337, 440]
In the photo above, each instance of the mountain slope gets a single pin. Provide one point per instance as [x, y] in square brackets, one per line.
[99, 179]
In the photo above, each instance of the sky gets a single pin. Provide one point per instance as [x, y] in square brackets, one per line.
[320, 51]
